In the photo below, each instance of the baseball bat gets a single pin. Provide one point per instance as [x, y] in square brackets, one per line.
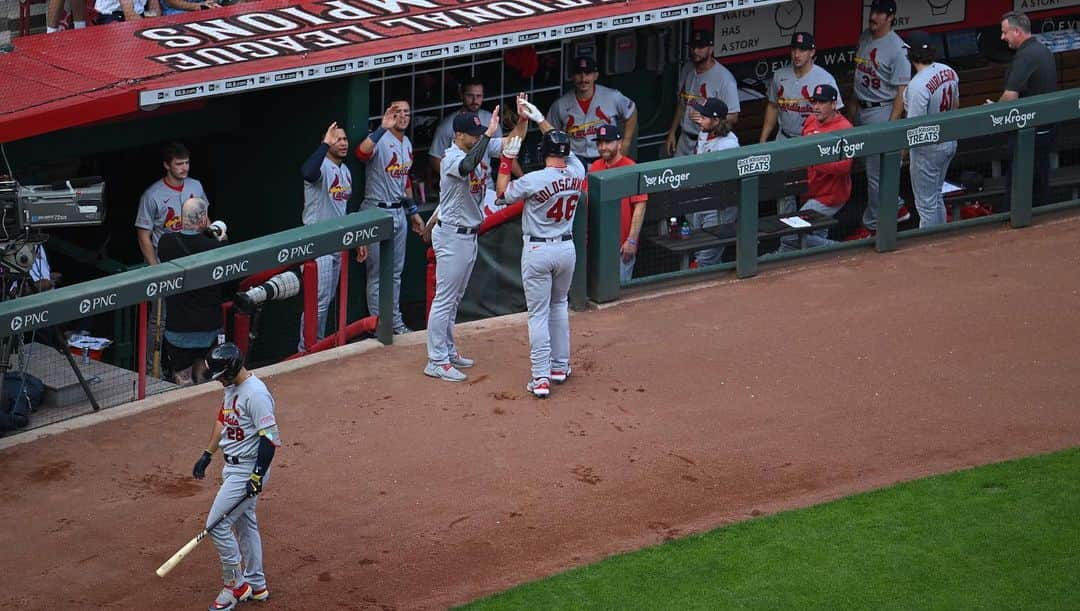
[155, 370]
[171, 563]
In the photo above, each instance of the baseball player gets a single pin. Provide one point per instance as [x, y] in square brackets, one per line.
[632, 212]
[548, 257]
[882, 73]
[246, 431]
[702, 78]
[713, 135]
[581, 111]
[789, 98]
[387, 155]
[327, 189]
[159, 206]
[935, 88]
[828, 184]
[463, 179]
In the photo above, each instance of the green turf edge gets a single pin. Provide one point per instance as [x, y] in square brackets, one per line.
[1001, 536]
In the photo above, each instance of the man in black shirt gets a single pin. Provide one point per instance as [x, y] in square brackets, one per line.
[195, 319]
[1033, 71]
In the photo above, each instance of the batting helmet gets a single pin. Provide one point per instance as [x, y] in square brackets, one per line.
[555, 142]
[224, 361]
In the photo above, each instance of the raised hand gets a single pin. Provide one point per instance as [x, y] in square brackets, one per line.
[330, 138]
[493, 124]
[390, 117]
[511, 147]
[528, 109]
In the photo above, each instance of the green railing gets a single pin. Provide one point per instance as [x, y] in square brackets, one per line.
[746, 164]
[231, 262]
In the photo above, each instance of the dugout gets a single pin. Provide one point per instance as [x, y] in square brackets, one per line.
[251, 112]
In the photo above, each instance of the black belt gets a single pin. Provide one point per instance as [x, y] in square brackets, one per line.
[457, 229]
[388, 205]
[566, 237]
[873, 104]
[236, 460]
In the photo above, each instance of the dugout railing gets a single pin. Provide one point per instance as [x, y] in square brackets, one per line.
[745, 166]
[138, 287]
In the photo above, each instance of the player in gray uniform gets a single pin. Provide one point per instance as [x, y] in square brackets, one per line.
[582, 111]
[703, 78]
[789, 98]
[935, 88]
[327, 189]
[882, 73]
[548, 257]
[246, 431]
[462, 186]
[159, 206]
[472, 97]
[713, 135]
[387, 155]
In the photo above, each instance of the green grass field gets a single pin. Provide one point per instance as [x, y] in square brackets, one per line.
[1004, 536]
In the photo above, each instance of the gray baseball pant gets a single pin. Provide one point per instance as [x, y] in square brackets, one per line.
[867, 116]
[329, 267]
[928, 167]
[455, 254]
[547, 268]
[246, 544]
[401, 234]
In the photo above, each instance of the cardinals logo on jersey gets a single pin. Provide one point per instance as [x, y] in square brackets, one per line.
[478, 178]
[339, 192]
[873, 58]
[398, 169]
[689, 96]
[172, 220]
[603, 117]
[800, 105]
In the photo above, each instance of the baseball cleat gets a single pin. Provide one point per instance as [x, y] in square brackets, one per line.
[260, 594]
[402, 330]
[539, 387]
[230, 597]
[444, 372]
[461, 362]
[559, 375]
[903, 213]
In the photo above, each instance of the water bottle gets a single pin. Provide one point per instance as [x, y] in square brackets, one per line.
[673, 229]
[85, 350]
[684, 231]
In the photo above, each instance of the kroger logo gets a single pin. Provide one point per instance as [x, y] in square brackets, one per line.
[667, 177]
[841, 147]
[1013, 117]
[754, 164]
[927, 134]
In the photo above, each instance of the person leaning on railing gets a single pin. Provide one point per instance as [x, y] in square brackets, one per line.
[113, 11]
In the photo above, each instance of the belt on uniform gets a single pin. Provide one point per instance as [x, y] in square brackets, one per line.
[787, 135]
[457, 229]
[566, 237]
[873, 104]
[236, 460]
[388, 205]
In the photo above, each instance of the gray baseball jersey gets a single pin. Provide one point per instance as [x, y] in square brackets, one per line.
[707, 144]
[881, 67]
[716, 82]
[936, 88]
[386, 172]
[551, 197]
[461, 197]
[581, 120]
[247, 409]
[159, 206]
[791, 94]
[326, 198]
[444, 137]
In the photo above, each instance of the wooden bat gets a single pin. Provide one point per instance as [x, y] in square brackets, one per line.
[156, 368]
[171, 563]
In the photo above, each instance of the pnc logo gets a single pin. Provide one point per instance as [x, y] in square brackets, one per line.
[295, 252]
[30, 320]
[667, 177]
[229, 270]
[754, 164]
[164, 286]
[96, 303]
[366, 234]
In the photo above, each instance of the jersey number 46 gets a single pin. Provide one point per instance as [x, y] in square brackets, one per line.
[563, 209]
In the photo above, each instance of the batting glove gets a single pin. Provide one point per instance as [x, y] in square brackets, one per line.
[529, 110]
[199, 471]
[410, 206]
[511, 147]
[254, 484]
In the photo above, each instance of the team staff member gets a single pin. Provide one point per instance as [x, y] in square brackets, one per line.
[548, 257]
[882, 72]
[387, 155]
[714, 134]
[828, 184]
[702, 79]
[463, 183]
[935, 88]
[580, 112]
[1032, 72]
[632, 211]
[789, 98]
[247, 433]
[327, 189]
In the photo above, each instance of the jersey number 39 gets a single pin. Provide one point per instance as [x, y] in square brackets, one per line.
[563, 209]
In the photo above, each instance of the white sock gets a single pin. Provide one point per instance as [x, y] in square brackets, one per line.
[51, 30]
[79, 25]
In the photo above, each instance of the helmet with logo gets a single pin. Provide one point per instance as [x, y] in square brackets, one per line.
[555, 142]
[224, 361]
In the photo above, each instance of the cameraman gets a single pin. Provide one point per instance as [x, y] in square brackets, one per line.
[195, 318]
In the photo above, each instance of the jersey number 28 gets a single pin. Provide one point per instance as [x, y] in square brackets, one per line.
[563, 209]
[235, 433]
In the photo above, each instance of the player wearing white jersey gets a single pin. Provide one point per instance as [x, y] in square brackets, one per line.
[327, 189]
[582, 111]
[713, 135]
[548, 257]
[246, 432]
[701, 79]
[882, 73]
[387, 156]
[935, 88]
[462, 187]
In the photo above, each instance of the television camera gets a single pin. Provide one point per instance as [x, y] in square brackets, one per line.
[26, 209]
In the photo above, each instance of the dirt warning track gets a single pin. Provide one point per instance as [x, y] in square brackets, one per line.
[683, 413]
